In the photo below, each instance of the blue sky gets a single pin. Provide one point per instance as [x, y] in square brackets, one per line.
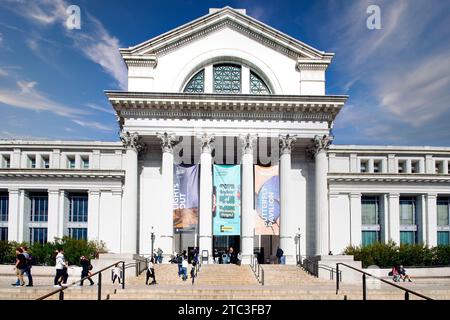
[398, 78]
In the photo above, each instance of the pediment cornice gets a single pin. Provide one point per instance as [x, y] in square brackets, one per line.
[227, 17]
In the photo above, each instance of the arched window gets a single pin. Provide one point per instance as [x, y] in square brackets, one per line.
[257, 85]
[227, 78]
[197, 83]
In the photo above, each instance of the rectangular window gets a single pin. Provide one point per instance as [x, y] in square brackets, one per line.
[364, 166]
[3, 234]
[408, 226]
[443, 238]
[38, 235]
[78, 233]
[414, 166]
[6, 162]
[401, 166]
[377, 166]
[370, 220]
[4, 206]
[85, 163]
[78, 211]
[438, 165]
[443, 211]
[39, 207]
[71, 162]
[32, 161]
[46, 162]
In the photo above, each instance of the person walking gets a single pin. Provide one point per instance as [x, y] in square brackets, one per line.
[180, 264]
[116, 274]
[159, 256]
[193, 275]
[28, 265]
[150, 272]
[216, 256]
[279, 255]
[19, 267]
[184, 267]
[61, 269]
[86, 267]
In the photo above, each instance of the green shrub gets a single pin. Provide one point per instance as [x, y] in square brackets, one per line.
[44, 254]
[389, 254]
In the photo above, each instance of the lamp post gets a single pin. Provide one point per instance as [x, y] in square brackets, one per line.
[297, 240]
[152, 237]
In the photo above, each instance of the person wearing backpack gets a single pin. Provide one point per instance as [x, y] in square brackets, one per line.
[279, 255]
[85, 268]
[28, 265]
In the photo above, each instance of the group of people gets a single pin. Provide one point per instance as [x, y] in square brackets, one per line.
[182, 261]
[226, 257]
[398, 273]
[24, 262]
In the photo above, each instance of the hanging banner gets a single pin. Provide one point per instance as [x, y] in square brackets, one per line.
[185, 197]
[267, 200]
[227, 200]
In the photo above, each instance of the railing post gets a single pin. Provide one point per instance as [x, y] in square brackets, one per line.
[337, 278]
[137, 268]
[61, 295]
[364, 286]
[262, 276]
[123, 275]
[99, 286]
[406, 295]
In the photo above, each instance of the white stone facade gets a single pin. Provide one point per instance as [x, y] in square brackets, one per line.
[129, 184]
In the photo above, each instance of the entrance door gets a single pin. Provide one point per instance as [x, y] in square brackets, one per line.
[223, 244]
[185, 240]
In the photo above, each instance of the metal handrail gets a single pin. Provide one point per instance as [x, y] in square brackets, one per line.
[312, 267]
[257, 267]
[99, 284]
[366, 274]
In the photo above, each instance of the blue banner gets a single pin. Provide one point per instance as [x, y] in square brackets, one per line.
[185, 197]
[227, 200]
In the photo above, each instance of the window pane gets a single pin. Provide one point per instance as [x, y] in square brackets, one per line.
[78, 233]
[38, 235]
[39, 207]
[369, 210]
[3, 234]
[257, 85]
[407, 210]
[443, 238]
[407, 237]
[197, 83]
[4, 204]
[369, 237]
[227, 78]
[442, 213]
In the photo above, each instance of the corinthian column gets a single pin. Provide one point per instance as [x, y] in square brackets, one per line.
[247, 216]
[165, 234]
[288, 227]
[133, 145]
[205, 214]
[318, 150]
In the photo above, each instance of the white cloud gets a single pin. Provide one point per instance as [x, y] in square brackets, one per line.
[27, 97]
[93, 40]
[3, 72]
[99, 108]
[93, 125]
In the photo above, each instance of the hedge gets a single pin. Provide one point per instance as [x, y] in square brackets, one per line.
[389, 254]
[44, 254]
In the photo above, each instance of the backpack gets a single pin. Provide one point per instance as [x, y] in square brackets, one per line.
[90, 267]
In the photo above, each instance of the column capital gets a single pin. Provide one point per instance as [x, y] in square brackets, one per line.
[432, 195]
[287, 143]
[168, 141]
[247, 141]
[318, 144]
[206, 142]
[354, 194]
[394, 195]
[94, 192]
[14, 190]
[132, 141]
[53, 191]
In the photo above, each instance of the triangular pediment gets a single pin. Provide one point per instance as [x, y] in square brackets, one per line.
[227, 18]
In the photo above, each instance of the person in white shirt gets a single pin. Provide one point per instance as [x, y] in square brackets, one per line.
[184, 267]
[151, 272]
[116, 274]
[61, 269]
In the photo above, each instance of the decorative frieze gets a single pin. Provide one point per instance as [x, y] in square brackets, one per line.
[287, 143]
[141, 60]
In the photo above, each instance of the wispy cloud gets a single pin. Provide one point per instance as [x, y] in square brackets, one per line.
[93, 125]
[93, 40]
[26, 96]
[99, 108]
[3, 72]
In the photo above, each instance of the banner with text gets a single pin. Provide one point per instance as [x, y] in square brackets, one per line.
[185, 197]
[267, 200]
[227, 200]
